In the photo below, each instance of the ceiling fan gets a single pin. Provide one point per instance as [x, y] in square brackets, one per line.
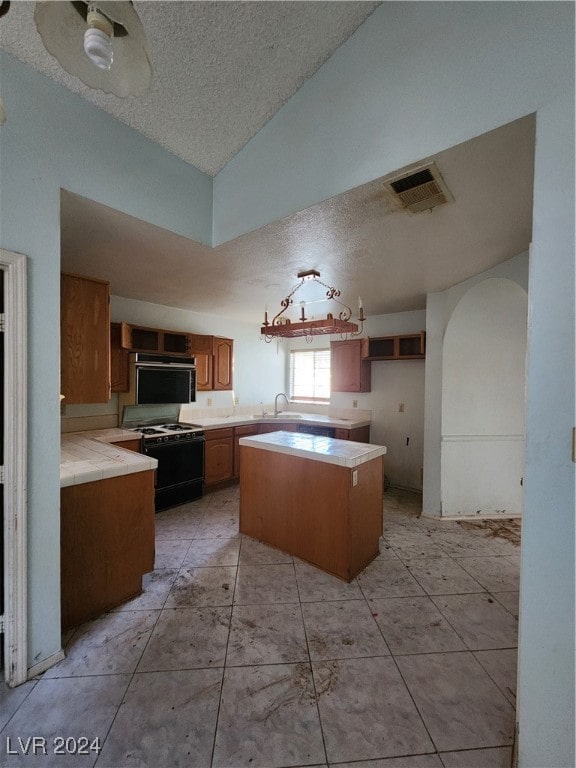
[101, 43]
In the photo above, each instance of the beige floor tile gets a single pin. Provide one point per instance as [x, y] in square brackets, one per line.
[443, 576]
[461, 706]
[500, 757]
[342, 630]
[266, 634]
[195, 587]
[209, 552]
[11, 699]
[510, 601]
[481, 621]
[254, 552]
[187, 638]
[496, 574]
[261, 584]
[414, 625]
[68, 708]
[413, 761]
[388, 578]
[111, 644]
[268, 718]
[170, 553]
[167, 719]
[502, 666]
[315, 585]
[358, 721]
[155, 589]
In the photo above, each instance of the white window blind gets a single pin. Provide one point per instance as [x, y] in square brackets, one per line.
[310, 374]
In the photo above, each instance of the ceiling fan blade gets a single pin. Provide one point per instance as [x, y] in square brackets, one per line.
[62, 28]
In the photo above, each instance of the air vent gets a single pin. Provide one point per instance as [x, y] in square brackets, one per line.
[421, 189]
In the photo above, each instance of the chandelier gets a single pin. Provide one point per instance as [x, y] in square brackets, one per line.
[282, 327]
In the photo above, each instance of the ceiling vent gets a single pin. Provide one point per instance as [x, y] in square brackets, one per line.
[421, 189]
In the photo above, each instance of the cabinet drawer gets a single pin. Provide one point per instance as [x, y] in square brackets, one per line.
[218, 434]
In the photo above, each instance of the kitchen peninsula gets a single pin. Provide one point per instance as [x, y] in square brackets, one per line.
[314, 497]
[107, 522]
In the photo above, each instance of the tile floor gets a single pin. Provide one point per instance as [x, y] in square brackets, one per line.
[239, 656]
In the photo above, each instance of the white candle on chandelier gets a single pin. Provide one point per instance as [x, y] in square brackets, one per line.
[360, 305]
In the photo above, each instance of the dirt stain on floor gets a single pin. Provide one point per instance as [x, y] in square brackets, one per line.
[502, 529]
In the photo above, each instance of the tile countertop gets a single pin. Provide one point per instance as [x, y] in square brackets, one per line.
[89, 456]
[298, 418]
[344, 452]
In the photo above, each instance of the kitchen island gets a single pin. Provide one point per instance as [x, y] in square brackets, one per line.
[317, 498]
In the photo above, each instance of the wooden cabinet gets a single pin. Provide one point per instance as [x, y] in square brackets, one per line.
[349, 370]
[106, 544]
[84, 339]
[245, 430]
[411, 346]
[119, 377]
[223, 358]
[142, 339]
[358, 434]
[214, 361]
[219, 456]
[129, 445]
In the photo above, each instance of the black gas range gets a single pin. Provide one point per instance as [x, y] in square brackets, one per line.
[178, 448]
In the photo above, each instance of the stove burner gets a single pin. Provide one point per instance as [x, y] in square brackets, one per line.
[149, 431]
[175, 427]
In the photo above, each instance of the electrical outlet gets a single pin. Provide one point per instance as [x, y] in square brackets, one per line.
[354, 477]
[236, 401]
[401, 408]
[354, 403]
[209, 401]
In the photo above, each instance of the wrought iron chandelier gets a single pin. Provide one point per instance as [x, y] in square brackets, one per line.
[282, 327]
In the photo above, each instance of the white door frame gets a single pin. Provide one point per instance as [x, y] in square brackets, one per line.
[14, 470]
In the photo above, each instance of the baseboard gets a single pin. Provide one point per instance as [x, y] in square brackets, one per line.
[42, 666]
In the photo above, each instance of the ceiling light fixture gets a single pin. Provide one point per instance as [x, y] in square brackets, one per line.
[283, 327]
[98, 38]
[102, 42]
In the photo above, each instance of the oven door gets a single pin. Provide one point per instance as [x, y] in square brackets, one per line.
[180, 471]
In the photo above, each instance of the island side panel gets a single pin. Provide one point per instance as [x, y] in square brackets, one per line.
[106, 542]
[366, 514]
[298, 505]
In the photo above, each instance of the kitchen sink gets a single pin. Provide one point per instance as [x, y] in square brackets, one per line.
[279, 416]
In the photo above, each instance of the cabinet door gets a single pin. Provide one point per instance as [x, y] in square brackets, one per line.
[349, 371]
[219, 456]
[223, 355]
[84, 339]
[119, 377]
[203, 371]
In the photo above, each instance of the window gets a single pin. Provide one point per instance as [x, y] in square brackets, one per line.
[310, 374]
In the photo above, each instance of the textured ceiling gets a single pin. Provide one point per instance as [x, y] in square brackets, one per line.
[359, 241]
[221, 69]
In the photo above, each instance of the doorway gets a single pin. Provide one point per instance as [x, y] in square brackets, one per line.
[13, 452]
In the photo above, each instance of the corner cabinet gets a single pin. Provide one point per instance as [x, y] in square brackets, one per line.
[214, 362]
[349, 368]
[84, 339]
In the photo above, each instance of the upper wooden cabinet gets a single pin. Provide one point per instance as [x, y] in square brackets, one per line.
[142, 339]
[214, 360]
[410, 346]
[349, 370]
[84, 339]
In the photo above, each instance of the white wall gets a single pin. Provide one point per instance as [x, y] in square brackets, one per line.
[439, 309]
[483, 383]
[393, 382]
[259, 372]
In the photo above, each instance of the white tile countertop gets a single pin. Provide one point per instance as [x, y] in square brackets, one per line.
[89, 456]
[284, 416]
[347, 453]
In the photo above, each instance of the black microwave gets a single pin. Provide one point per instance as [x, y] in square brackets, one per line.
[160, 379]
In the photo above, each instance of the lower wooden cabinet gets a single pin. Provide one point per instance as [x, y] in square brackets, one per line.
[358, 434]
[129, 445]
[106, 543]
[243, 431]
[219, 456]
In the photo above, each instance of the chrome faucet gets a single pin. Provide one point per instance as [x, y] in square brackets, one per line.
[280, 394]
